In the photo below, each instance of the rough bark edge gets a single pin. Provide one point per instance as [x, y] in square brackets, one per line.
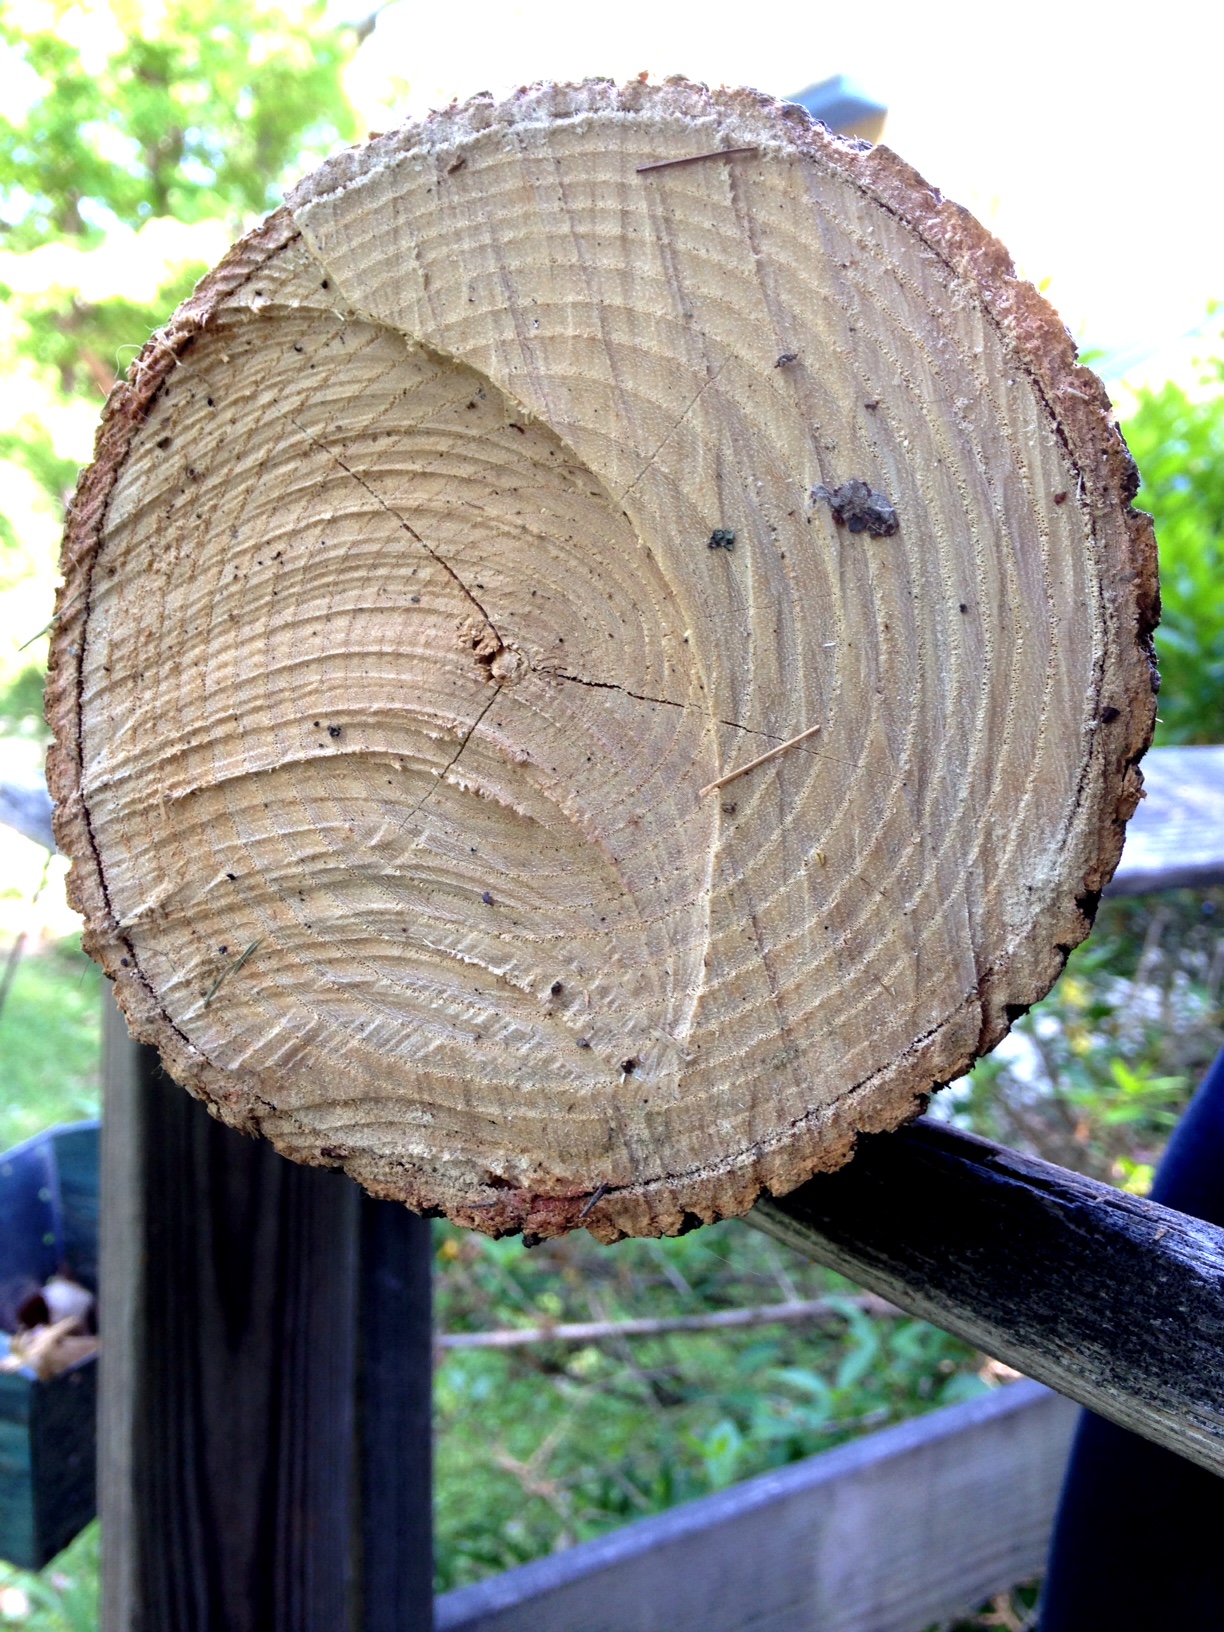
[1080, 411]
[125, 412]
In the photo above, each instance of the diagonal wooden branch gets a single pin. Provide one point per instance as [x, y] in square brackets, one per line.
[800, 1312]
[1116, 1302]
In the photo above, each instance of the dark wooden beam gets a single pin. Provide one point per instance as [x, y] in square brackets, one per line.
[395, 1410]
[1116, 1302]
[263, 1439]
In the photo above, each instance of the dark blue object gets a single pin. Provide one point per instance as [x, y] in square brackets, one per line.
[841, 105]
[1139, 1539]
[48, 1224]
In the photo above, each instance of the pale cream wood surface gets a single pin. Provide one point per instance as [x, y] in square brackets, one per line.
[404, 647]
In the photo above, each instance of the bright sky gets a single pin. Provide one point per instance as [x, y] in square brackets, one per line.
[1087, 135]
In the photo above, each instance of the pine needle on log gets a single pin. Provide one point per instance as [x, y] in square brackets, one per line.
[761, 759]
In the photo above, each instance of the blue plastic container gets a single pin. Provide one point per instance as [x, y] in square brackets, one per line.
[48, 1224]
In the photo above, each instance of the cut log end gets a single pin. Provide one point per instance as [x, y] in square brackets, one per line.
[457, 546]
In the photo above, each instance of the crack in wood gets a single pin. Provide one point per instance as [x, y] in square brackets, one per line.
[406, 525]
[693, 708]
[454, 759]
[666, 439]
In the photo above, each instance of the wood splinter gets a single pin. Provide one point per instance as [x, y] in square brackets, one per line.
[759, 760]
[594, 1201]
[695, 158]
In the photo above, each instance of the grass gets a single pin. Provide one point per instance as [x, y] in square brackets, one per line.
[50, 1042]
[542, 1446]
[61, 1598]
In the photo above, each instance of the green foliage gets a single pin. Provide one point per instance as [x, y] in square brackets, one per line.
[1108, 1061]
[549, 1444]
[50, 1042]
[21, 704]
[61, 1598]
[201, 115]
[29, 445]
[82, 344]
[191, 111]
[1178, 442]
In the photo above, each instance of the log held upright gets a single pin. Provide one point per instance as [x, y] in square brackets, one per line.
[264, 1433]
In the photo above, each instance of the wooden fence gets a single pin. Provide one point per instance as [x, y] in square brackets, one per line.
[891, 1533]
[263, 1434]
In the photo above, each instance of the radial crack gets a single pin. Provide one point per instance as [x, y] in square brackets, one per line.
[669, 702]
[611, 685]
[406, 525]
[454, 759]
[666, 439]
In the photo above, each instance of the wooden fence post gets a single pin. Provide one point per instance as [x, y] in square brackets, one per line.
[264, 1450]
[395, 1397]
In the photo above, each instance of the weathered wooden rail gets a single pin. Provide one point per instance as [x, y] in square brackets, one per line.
[1115, 1301]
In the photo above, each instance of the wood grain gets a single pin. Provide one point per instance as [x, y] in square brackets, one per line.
[462, 527]
[1115, 1301]
[245, 1426]
[264, 1448]
[395, 1421]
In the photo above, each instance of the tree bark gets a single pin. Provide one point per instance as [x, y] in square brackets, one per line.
[604, 652]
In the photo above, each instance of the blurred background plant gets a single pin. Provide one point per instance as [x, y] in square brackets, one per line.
[1177, 437]
[137, 142]
[553, 1442]
[1096, 1076]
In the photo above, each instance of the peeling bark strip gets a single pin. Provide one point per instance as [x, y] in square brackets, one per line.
[389, 644]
